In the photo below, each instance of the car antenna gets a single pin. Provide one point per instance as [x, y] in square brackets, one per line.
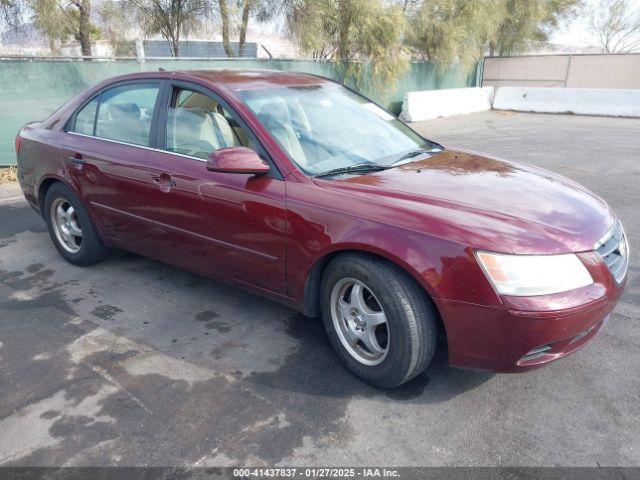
[161, 69]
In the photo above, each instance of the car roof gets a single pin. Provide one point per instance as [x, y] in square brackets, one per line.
[237, 79]
[250, 79]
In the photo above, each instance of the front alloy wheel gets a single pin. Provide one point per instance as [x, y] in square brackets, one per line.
[380, 321]
[360, 321]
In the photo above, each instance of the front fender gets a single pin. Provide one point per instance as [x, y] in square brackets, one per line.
[445, 269]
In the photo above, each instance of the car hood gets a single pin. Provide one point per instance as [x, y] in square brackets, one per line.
[486, 202]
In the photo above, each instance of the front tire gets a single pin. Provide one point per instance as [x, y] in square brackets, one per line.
[379, 320]
[70, 227]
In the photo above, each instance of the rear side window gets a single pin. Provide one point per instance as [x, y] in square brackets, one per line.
[121, 113]
[125, 113]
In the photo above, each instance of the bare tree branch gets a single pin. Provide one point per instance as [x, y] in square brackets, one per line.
[616, 24]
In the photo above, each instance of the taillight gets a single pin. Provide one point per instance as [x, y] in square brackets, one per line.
[18, 142]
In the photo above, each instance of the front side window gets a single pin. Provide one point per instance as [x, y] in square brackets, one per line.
[326, 126]
[198, 125]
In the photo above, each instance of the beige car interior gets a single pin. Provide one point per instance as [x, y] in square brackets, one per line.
[276, 119]
[123, 122]
[197, 126]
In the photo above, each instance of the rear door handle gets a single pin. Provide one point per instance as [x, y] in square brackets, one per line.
[77, 159]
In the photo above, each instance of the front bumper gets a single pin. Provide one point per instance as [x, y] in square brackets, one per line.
[529, 332]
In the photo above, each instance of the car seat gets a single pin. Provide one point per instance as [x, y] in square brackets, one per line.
[275, 118]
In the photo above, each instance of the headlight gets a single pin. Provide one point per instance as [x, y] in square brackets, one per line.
[529, 275]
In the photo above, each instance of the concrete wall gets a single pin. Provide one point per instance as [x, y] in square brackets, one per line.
[620, 71]
[424, 105]
[580, 101]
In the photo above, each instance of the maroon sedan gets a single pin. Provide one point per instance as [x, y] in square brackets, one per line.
[298, 188]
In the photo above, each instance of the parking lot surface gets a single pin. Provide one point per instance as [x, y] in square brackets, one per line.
[132, 362]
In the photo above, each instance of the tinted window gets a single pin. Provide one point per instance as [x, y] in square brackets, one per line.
[85, 118]
[197, 125]
[125, 113]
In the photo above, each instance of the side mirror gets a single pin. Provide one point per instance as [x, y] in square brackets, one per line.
[236, 160]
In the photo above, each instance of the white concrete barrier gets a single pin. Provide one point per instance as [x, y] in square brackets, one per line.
[428, 104]
[581, 101]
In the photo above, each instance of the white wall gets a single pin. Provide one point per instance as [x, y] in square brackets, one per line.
[580, 101]
[101, 48]
[619, 71]
[424, 105]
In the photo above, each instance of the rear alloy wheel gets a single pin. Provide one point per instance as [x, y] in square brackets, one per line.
[65, 225]
[70, 227]
[379, 320]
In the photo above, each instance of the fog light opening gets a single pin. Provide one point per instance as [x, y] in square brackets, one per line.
[536, 353]
[582, 334]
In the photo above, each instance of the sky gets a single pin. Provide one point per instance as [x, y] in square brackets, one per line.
[576, 32]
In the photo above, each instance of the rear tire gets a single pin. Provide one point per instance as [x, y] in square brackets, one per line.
[385, 333]
[70, 227]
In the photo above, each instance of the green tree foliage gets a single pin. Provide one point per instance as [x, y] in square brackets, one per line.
[464, 30]
[115, 24]
[58, 20]
[378, 35]
[444, 31]
[366, 33]
[527, 24]
[55, 23]
[172, 19]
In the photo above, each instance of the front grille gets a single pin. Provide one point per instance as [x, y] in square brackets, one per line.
[614, 251]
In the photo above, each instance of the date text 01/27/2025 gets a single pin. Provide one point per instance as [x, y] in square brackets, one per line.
[328, 472]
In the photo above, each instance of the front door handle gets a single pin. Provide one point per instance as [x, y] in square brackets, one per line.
[164, 181]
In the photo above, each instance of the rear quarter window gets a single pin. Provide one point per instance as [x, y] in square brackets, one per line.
[85, 118]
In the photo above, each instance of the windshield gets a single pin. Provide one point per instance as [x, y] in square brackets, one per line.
[326, 127]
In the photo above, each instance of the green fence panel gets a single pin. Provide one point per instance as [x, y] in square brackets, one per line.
[33, 89]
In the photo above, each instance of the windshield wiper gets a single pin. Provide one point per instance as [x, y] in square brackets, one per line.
[359, 168]
[413, 153]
